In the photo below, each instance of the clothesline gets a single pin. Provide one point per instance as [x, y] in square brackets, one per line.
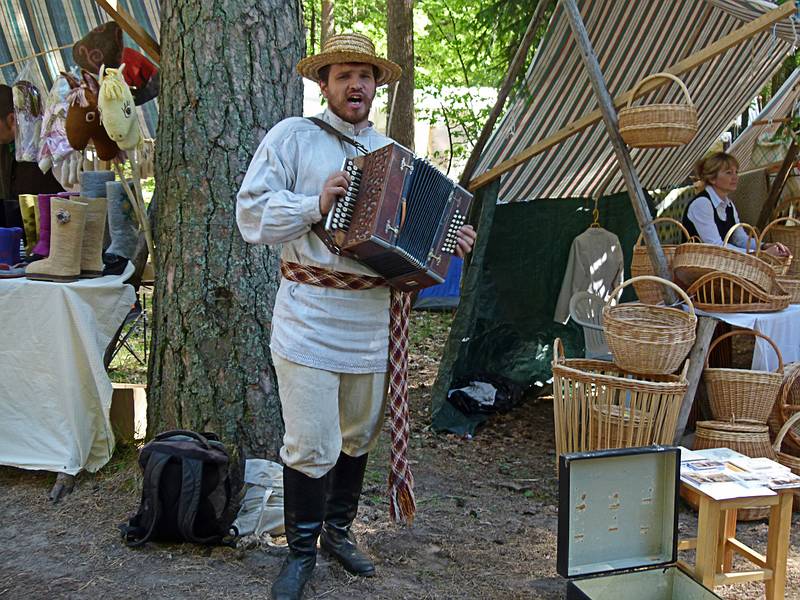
[30, 56]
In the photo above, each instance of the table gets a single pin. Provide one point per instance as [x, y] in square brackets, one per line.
[55, 395]
[716, 541]
[783, 327]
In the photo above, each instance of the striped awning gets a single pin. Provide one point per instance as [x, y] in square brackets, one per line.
[31, 27]
[632, 39]
[779, 106]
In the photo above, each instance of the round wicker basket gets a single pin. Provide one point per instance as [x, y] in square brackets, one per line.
[785, 230]
[741, 394]
[786, 406]
[786, 459]
[649, 292]
[658, 125]
[749, 439]
[692, 261]
[649, 339]
[598, 405]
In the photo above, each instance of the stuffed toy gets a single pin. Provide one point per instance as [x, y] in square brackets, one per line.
[117, 110]
[55, 146]
[83, 117]
[141, 75]
[101, 46]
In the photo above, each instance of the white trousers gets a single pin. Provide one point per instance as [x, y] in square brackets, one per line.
[326, 413]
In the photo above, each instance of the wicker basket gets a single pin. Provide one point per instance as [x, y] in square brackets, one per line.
[597, 405]
[788, 460]
[658, 125]
[741, 394]
[792, 287]
[786, 406]
[725, 293]
[649, 339]
[692, 261]
[746, 438]
[785, 230]
[768, 152]
[779, 264]
[649, 292]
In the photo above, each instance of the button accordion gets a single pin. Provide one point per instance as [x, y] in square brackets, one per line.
[399, 217]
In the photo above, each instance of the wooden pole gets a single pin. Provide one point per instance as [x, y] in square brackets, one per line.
[697, 358]
[635, 190]
[777, 185]
[511, 76]
[709, 52]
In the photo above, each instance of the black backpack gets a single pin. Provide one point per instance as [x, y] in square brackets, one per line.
[187, 493]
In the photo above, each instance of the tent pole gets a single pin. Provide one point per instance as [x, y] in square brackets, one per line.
[777, 185]
[687, 64]
[697, 359]
[514, 67]
[635, 190]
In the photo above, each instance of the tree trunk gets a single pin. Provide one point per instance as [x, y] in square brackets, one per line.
[228, 75]
[400, 44]
[327, 22]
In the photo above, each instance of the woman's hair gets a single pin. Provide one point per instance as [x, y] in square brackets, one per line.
[707, 168]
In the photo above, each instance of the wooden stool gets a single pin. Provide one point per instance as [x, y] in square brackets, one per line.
[716, 541]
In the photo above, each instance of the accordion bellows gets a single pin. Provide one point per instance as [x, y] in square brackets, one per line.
[399, 217]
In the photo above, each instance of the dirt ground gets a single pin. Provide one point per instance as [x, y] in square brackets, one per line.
[485, 527]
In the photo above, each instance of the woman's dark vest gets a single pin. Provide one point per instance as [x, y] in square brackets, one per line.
[722, 226]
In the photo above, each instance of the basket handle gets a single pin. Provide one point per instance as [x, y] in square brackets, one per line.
[747, 332]
[784, 430]
[775, 222]
[666, 282]
[752, 233]
[558, 351]
[661, 75]
[640, 239]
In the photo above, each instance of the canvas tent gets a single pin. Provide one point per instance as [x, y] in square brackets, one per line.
[37, 35]
[528, 217]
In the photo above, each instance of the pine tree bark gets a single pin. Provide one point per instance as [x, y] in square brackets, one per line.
[326, 16]
[227, 76]
[400, 49]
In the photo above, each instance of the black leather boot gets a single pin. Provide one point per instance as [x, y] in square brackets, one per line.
[303, 511]
[341, 505]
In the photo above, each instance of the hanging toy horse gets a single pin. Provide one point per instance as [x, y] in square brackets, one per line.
[83, 119]
[117, 109]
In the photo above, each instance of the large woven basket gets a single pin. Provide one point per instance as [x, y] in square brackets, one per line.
[649, 339]
[785, 230]
[650, 292]
[746, 438]
[741, 394]
[658, 125]
[792, 287]
[726, 293]
[768, 152]
[598, 405]
[786, 406]
[692, 261]
[779, 264]
[787, 459]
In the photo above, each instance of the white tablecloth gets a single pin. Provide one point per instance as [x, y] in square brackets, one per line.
[55, 395]
[783, 327]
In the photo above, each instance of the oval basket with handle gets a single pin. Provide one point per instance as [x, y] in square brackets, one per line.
[647, 291]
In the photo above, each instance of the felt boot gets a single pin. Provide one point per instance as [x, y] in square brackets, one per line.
[9, 245]
[123, 228]
[42, 247]
[92, 248]
[341, 505]
[67, 222]
[303, 509]
[93, 183]
[27, 202]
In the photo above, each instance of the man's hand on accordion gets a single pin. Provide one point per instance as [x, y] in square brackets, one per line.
[334, 187]
[465, 239]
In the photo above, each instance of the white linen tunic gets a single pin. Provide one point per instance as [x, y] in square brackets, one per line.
[345, 331]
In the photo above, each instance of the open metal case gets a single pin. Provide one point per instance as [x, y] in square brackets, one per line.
[618, 526]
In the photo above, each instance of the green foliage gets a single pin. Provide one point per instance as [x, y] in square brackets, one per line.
[459, 46]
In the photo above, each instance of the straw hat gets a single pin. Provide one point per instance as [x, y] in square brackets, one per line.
[349, 48]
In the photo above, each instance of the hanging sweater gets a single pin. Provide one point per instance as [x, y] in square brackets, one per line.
[595, 265]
